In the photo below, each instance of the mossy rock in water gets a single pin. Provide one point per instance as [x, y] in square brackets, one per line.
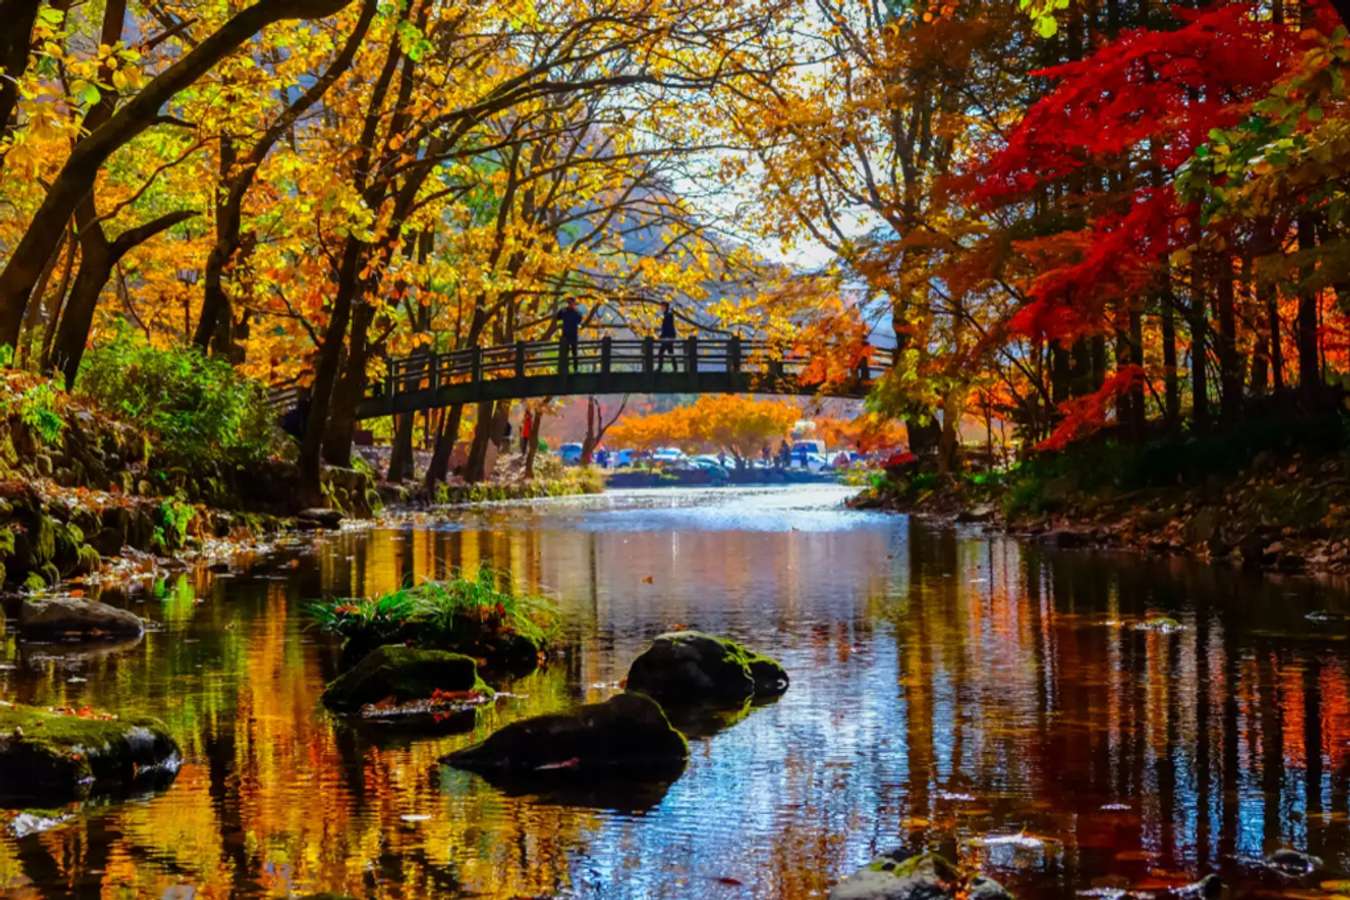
[402, 674]
[510, 651]
[50, 758]
[686, 667]
[627, 732]
[926, 876]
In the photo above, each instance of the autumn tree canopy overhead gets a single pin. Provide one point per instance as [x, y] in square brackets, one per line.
[1124, 214]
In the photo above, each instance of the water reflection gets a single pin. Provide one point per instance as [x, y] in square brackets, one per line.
[948, 689]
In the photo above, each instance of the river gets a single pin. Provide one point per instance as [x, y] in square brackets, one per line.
[1006, 704]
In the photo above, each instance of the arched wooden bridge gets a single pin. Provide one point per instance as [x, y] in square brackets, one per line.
[607, 366]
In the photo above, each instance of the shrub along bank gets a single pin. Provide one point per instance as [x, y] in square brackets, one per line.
[156, 450]
[1268, 493]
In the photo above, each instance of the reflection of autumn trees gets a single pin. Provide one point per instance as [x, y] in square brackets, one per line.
[944, 687]
[1041, 689]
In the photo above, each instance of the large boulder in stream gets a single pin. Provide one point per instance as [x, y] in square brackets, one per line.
[690, 667]
[50, 758]
[399, 674]
[629, 732]
[52, 618]
[926, 876]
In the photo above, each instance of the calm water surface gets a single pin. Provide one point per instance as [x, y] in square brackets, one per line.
[949, 689]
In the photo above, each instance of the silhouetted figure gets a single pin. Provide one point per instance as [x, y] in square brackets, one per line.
[570, 317]
[667, 340]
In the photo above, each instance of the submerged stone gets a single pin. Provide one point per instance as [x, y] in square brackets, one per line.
[926, 876]
[51, 758]
[1208, 888]
[627, 732]
[400, 674]
[683, 667]
[58, 617]
[1293, 863]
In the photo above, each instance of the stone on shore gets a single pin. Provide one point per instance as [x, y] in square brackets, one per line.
[402, 674]
[50, 758]
[688, 667]
[60, 617]
[628, 732]
[318, 519]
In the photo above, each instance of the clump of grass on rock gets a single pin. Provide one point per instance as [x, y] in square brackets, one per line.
[470, 615]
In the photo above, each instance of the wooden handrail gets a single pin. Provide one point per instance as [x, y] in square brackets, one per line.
[696, 363]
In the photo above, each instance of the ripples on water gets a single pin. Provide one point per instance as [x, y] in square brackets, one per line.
[948, 689]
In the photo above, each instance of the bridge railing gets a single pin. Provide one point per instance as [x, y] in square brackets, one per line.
[525, 359]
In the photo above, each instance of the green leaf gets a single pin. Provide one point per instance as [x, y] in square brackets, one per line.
[1046, 26]
[86, 91]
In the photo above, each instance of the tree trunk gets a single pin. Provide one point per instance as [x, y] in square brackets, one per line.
[1199, 325]
[16, 38]
[475, 469]
[337, 447]
[535, 419]
[35, 309]
[592, 426]
[98, 256]
[1138, 414]
[446, 438]
[1060, 373]
[325, 377]
[1230, 372]
[924, 438]
[401, 451]
[1309, 366]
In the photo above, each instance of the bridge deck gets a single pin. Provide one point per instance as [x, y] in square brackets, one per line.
[606, 366]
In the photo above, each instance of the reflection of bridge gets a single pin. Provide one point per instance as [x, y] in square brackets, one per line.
[607, 366]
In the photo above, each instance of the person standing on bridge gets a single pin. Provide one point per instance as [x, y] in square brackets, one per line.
[667, 339]
[570, 317]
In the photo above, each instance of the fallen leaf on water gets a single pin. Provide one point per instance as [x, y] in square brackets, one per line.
[647, 580]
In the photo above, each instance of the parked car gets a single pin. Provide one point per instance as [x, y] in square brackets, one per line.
[711, 465]
[570, 454]
[667, 455]
[623, 459]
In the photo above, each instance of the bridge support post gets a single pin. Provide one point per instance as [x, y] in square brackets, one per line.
[606, 348]
[691, 354]
[434, 376]
[476, 364]
[734, 355]
[649, 360]
[389, 385]
[520, 359]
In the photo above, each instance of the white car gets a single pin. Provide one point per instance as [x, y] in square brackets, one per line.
[669, 455]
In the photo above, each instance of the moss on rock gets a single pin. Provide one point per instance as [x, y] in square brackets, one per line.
[48, 757]
[402, 674]
[683, 667]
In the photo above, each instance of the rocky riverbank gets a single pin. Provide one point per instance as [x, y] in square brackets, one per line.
[80, 488]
